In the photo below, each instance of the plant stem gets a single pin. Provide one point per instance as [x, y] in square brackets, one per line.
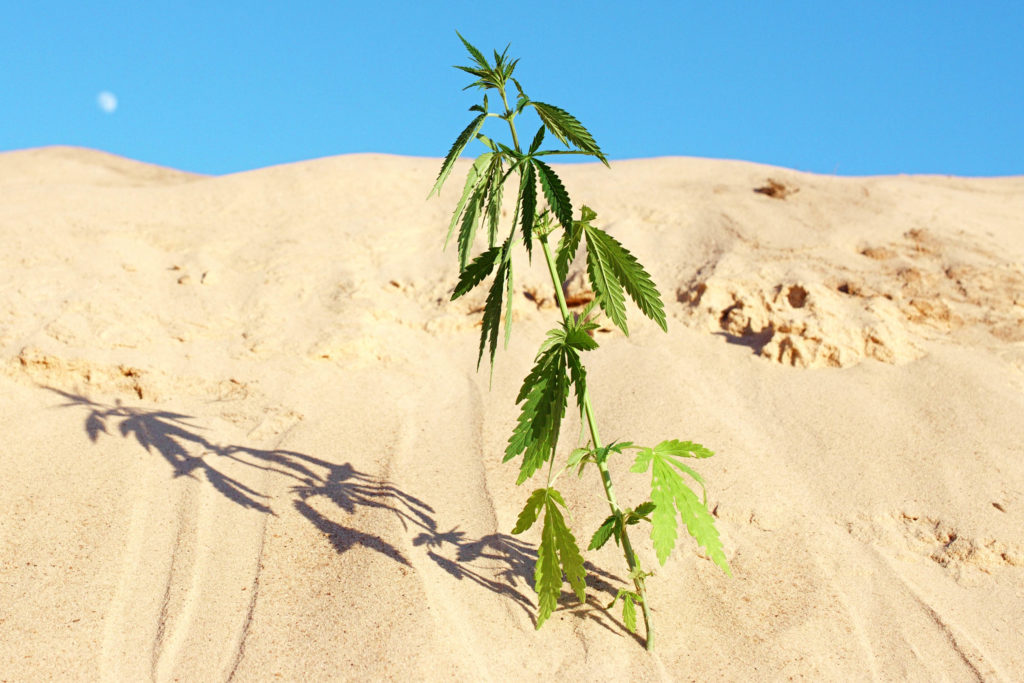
[632, 561]
[606, 478]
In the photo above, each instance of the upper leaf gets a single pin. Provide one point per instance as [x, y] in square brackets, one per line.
[555, 193]
[567, 248]
[543, 398]
[567, 129]
[607, 288]
[476, 271]
[529, 193]
[478, 56]
[456, 150]
[477, 174]
[611, 258]
[492, 314]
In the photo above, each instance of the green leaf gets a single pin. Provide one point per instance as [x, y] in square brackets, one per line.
[456, 150]
[576, 335]
[643, 461]
[529, 184]
[492, 316]
[567, 248]
[547, 575]
[567, 129]
[578, 377]
[614, 259]
[643, 509]
[508, 298]
[522, 100]
[475, 272]
[537, 139]
[555, 193]
[558, 553]
[629, 613]
[473, 179]
[607, 529]
[470, 222]
[495, 188]
[576, 456]
[568, 551]
[529, 514]
[478, 56]
[673, 499]
[543, 398]
[607, 289]
[683, 449]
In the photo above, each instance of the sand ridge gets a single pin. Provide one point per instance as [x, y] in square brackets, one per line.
[244, 438]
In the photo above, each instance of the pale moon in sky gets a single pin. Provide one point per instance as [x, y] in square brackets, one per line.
[107, 101]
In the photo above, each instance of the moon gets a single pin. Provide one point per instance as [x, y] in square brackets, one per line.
[107, 101]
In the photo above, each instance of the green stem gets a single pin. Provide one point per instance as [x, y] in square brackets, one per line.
[632, 561]
[606, 478]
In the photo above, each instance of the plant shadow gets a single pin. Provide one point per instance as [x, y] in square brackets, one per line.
[499, 562]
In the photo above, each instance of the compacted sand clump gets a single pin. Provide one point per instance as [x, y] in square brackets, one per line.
[243, 437]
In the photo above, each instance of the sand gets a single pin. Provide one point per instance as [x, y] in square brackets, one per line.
[243, 436]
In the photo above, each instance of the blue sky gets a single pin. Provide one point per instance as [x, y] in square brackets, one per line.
[847, 87]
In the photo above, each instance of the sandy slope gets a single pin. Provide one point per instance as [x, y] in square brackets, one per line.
[243, 437]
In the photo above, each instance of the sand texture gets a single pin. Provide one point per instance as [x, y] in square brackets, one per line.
[243, 436]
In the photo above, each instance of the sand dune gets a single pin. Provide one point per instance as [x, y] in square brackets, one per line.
[243, 435]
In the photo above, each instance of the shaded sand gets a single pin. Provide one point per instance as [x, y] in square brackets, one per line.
[243, 437]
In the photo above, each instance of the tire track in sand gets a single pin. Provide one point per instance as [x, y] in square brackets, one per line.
[462, 561]
[189, 573]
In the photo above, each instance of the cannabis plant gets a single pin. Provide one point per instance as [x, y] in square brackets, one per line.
[542, 209]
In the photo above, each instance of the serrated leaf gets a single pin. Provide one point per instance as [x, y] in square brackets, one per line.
[491, 319]
[629, 273]
[495, 188]
[456, 150]
[568, 551]
[555, 193]
[643, 461]
[576, 337]
[629, 613]
[603, 533]
[478, 56]
[568, 129]
[537, 139]
[683, 449]
[547, 575]
[530, 511]
[529, 185]
[576, 456]
[672, 498]
[473, 179]
[644, 509]
[607, 289]
[470, 221]
[558, 553]
[509, 291]
[567, 248]
[476, 271]
[578, 377]
[522, 100]
[543, 398]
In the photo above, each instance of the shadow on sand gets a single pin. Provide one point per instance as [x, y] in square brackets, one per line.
[499, 562]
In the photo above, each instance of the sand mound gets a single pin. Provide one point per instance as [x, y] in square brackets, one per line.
[244, 437]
